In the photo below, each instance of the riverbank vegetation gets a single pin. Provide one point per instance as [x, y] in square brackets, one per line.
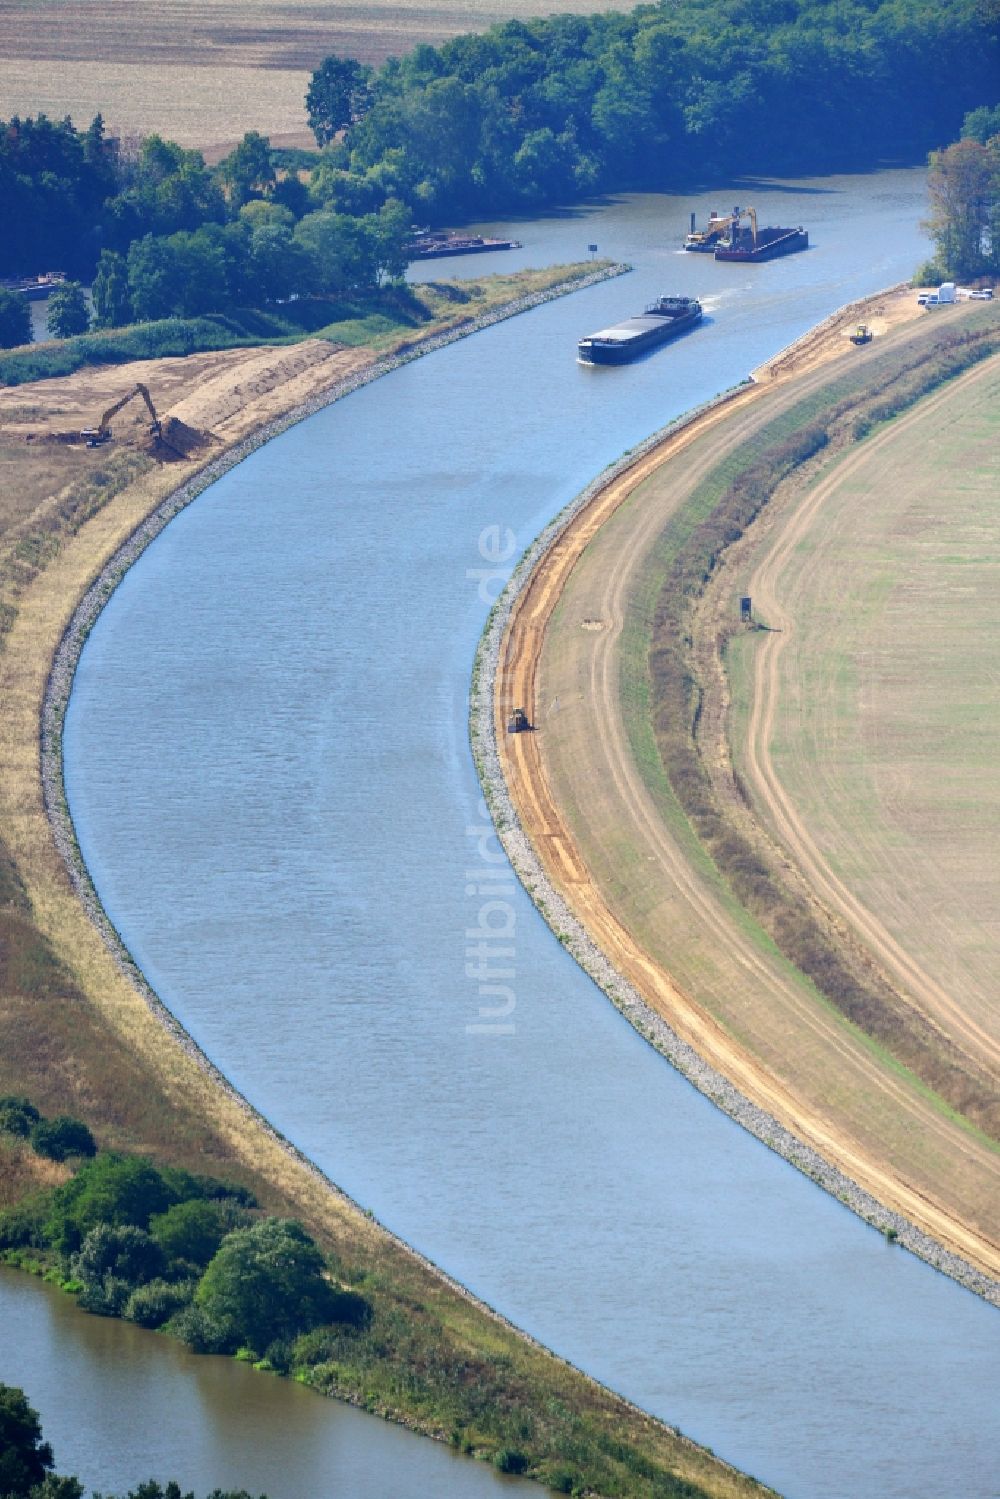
[964, 187]
[195, 1256]
[167, 1248]
[719, 513]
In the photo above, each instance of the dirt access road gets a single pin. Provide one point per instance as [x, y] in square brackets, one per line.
[631, 873]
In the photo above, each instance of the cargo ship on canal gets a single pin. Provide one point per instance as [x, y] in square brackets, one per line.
[662, 320]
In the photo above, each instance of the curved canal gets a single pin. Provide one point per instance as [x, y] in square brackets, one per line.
[267, 764]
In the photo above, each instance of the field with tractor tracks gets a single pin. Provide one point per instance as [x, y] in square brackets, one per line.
[868, 713]
[859, 1085]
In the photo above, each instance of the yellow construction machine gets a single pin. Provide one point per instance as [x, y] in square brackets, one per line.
[715, 231]
[94, 437]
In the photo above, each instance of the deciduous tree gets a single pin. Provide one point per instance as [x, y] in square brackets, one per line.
[265, 1283]
[112, 303]
[62, 1137]
[67, 313]
[15, 319]
[964, 187]
[24, 1457]
[338, 95]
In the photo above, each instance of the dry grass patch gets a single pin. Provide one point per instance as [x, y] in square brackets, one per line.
[22, 1171]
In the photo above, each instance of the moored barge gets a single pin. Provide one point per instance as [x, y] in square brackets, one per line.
[34, 288]
[436, 246]
[663, 319]
[753, 244]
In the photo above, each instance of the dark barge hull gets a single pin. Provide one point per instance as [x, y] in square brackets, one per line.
[636, 336]
[770, 244]
[443, 248]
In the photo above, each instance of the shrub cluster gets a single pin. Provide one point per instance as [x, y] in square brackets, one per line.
[162, 1247]
[58, 1138]
[170, 337]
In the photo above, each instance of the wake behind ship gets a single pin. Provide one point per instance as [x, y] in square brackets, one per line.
[663, 319]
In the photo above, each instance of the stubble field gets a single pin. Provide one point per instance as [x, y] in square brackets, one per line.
[205, 74]
[871, 739]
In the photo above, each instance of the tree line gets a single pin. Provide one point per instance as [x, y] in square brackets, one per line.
[525, 114]
[533, 112]
[964, 189]
[162, 235]
[162, 1247]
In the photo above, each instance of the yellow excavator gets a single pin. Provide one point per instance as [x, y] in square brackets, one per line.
[715, 231]
[95, 437]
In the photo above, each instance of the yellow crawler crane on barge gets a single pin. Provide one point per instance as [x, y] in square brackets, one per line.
[717, 229]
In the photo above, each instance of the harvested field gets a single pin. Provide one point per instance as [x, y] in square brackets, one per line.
[199, 105]
[875, 716]
[205, 74]
[592, 795]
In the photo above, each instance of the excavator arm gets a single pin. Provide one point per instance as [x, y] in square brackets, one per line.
[100, 434]
[739, 214]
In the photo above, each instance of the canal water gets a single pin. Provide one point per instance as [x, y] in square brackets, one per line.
[267, 763]
[120, 1405]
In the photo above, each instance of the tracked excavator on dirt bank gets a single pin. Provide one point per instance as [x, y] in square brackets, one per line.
[95, 437]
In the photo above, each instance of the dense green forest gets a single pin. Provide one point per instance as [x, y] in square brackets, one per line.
[525, 114]
[531, 112]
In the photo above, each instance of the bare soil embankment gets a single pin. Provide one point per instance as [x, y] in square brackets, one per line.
[628, 886]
